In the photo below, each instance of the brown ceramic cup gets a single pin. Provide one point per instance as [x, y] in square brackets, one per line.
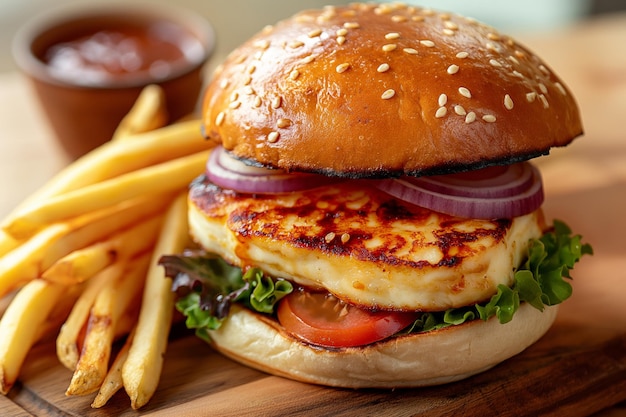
[84, 111]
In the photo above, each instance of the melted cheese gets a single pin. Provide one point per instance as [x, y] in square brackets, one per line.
[362, 245]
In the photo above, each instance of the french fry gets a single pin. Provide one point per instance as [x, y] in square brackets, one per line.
[84, 263]
[142, 369]
[113, 159]
[5, 301]
[169, 176]
[110, 304]
[113, 381]
[7, 243]
[24, 263]
[54, 242]
[49, 331]
[68, 338]
[148, 113]
[19, 326]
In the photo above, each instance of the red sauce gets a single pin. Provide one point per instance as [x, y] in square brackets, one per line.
[118, 52]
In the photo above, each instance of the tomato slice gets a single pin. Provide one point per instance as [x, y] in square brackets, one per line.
[322, 319]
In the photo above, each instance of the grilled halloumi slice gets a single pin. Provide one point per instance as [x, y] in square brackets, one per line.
[362, 245]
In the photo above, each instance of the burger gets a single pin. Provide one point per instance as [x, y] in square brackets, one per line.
[368, 216]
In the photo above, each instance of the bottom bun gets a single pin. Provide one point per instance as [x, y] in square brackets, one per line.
[413, 360]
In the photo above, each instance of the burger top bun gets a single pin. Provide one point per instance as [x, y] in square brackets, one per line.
[370, 90]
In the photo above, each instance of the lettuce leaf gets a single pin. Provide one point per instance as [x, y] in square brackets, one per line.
[540, 281]
[206, 286]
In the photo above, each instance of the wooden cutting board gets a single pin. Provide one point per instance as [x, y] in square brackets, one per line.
[572, 371]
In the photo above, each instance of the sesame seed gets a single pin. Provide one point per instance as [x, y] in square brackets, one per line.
[329, 237]
[351, 25]
[235, 104]
[543, 69]
[234, 96]
[543, 88]
[508, 102]
[544, 101]
[410, 51]
[493, 36]
[273, 137]
[560, 87]
[530, 97]
[417, 18]
[342, 67]
[441, 111]
[462, 55]
[520, 54]
[443, 99]
[448, 32]
[444, 16]
[392, 35]
[388, 94]
[453, 69]
[277, 102]
[345, 238]
[450, 25]
[283, 123]
[460, 110]
[465, 92]
[495, 63]
[489, 118]
[342, 32]
[295, 44]
[257, 102]
[427, 43]
[248, 90]
[513, 60]
[219, 119]
[471, 117]
[308, 59]
[399, 18]
[251, 69]
[383, 67]
[389, 47]
[294, 74]
[381, 10]
[314, 33]
[518, 74]
[224, 83]
[341, 40]
[263, 44]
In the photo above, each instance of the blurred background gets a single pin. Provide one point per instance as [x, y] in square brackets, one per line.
[236, 20]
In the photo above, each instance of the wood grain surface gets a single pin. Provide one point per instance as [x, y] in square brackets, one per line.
[577, 369]
[572, 371]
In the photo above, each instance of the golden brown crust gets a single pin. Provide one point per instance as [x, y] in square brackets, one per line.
[413, 360]
[366, 89]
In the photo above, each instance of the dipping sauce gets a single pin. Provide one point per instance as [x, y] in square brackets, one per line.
[115, 53]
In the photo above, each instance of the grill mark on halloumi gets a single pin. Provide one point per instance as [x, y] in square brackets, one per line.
[364, 246]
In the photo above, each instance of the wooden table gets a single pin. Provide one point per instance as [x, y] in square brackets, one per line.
[578, 368]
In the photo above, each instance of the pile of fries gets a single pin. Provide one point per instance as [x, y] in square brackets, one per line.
[78, 259]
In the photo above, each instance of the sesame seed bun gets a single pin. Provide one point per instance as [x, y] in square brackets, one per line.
[413, 360]
[372, 90]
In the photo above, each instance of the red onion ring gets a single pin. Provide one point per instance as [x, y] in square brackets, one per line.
[483, 194]
[224, 170]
